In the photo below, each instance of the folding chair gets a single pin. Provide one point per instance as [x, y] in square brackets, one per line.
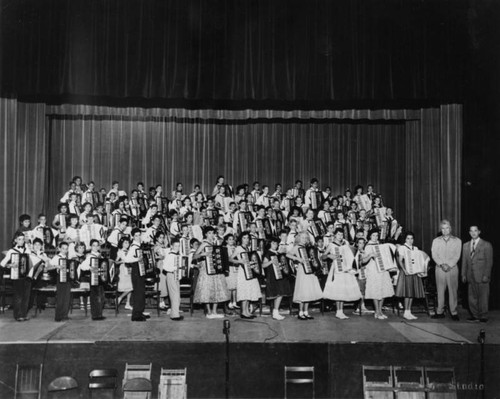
[28, 381]
[63, 387]
[102, 380]
[378, 382]
[137, 388]
[409, 382]
[172, 384]
[440, 383]
[306, 375]
[134, 381]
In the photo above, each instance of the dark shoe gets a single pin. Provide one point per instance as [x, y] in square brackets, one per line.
[246, 317]
[473, 320]
[483, 320]
[455, 317]
[98, 318]
[303, 317]
[146, 316]
[139, 318]
[438, 316]
[308, 317]
[177, 318]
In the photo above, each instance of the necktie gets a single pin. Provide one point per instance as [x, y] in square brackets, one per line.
[473, 251]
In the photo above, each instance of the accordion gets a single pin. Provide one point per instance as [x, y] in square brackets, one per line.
[63, 270]
[280, 266]
[163, 208]
[359, 266]
[307, 264]
[384, 257]
[214, 260]
[328, 217]
[287, 204]
[414, 261]
[343, 263]
[379, 216]
[244, 219]
[181, 267]
[251, 265]
[19, 266]
[184, 246]
[316, 199]
[99, 271]
[295, 192]
[260, 228]
[324, 269]
[62, 222]
[146, 261]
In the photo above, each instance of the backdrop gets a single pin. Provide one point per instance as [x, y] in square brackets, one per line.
[164, 152]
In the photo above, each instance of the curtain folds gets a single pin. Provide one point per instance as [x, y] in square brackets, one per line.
[210, 50]
[414, 163]
[23, 179]
[340, 155]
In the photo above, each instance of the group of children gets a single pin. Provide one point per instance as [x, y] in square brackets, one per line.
[305, 244]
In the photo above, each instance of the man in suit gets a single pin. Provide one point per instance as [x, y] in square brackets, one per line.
[477, 261]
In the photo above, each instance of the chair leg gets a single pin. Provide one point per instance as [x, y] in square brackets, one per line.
[158, 303]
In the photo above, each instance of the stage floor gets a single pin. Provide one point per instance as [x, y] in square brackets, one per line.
[323, 329]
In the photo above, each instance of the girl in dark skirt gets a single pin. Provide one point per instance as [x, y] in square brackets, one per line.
[277, 284]
[413, 265]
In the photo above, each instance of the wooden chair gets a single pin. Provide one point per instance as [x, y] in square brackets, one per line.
[172, 384]
[440, 383]
[28, 381]
[299, 375]
[378, 382]
[5, 288]
[102, 380]
[188, 286]
[137, 388]
[137, 381]
[409, 382]
[153, 291]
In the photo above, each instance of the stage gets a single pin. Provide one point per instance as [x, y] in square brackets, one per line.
[259, 350]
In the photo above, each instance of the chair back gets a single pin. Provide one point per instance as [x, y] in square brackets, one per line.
[28, 381]
[102, 379]
[299, 375]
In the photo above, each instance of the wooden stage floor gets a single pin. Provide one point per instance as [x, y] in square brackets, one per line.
[323, 329]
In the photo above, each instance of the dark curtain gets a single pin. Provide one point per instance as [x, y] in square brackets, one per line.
[433, 166]
[209, 50]
[164, 152]
[23, 176]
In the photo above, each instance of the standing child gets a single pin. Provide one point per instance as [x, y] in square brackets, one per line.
[211, 289]
[307, 288]
[124, 280]
[63, 286]
[17, 259]
[341, 285]
[277, 284]
[96, 291]
[171, 264]
[248, 287]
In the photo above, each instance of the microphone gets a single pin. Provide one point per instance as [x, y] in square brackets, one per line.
[226, 328]
[482, 337]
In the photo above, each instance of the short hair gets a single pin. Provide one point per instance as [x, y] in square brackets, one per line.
[62, 243]
[24, 217]
[174, 241]
[122, 240]
[373, 231]
[37, 241]
[408, 233]
[73, 216]
[41, 215]
[314, 180]
[338, 230]
[444, 222]
[59, 207]
[94, 241]
[114, 182]
[207, 230]
[135, 231]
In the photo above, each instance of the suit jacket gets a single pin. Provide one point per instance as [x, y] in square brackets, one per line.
[479, 266]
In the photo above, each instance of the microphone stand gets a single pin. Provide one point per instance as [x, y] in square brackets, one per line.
[225, 331]
[481, 339]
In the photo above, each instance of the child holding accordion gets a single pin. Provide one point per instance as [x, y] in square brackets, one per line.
[277, 271]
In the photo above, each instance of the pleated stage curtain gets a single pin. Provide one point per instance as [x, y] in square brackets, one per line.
[23, 176]
[165, 152]
[413, 158]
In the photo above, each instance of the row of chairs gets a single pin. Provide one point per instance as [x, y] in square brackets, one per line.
[136, 382]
